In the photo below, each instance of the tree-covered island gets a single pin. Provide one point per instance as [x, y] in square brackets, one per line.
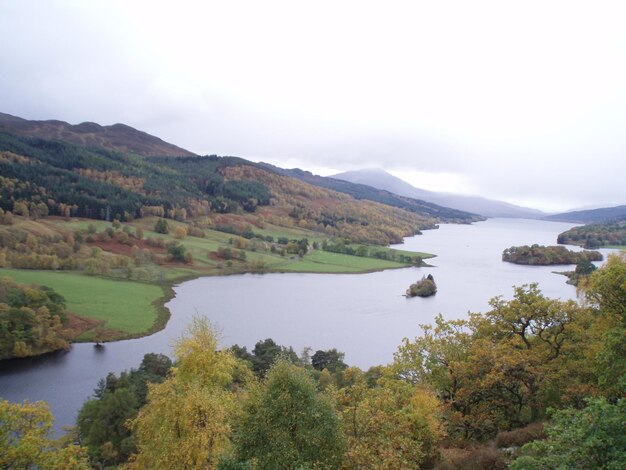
[537, 255]
[425, 287]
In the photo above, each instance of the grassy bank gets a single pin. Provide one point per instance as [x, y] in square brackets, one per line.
[126, 307]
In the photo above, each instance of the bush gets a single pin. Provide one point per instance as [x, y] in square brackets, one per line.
[479, 458]
[521, 436]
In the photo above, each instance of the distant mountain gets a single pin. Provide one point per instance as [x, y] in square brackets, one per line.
[474, 204]
[365, 192]
[605, 214]
[119, 137]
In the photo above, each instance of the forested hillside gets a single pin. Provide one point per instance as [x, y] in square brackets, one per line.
[596, 235]
[591, 216]
[43, 177]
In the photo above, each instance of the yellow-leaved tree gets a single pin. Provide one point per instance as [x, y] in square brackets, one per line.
[393, 425]
[186, 422]
[24, 441]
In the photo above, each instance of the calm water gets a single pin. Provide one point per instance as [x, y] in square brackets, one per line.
[364, 315]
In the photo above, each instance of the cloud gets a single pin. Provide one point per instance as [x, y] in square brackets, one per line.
[520, 101]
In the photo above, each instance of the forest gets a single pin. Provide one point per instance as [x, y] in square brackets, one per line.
[532, 383]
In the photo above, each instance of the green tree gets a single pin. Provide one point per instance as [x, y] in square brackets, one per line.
[331, 360]
[287, 424]
[161, 226]
[591, 438]
[102, 420]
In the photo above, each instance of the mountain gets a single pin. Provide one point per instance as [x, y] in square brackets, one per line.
[474, 204]
[365, 192]
[119, 137]
[602, 215]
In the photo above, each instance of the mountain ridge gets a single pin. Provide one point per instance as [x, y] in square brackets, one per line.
[120, 137]
[475, 204]
[368, 192]
[589, 216]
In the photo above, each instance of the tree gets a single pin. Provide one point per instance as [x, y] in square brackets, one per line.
[186, 422]
[102, 420]
[501, 369]
[331, 360]
[24, 442]
[161, 226]
[591, 438]
[393, 425]
[287, 424]
[607, 288]
[266, 352]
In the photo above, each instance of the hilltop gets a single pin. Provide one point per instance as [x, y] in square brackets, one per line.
[591, 216]
[473, 204]
[119, 137]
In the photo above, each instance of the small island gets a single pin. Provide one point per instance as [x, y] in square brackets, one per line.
[537, 255]
[425, 287]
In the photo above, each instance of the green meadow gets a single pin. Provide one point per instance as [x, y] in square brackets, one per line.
[126, 306]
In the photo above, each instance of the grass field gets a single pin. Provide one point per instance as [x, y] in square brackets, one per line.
[129, 307]
[325, 262]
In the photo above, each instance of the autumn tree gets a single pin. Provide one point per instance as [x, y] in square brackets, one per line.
[24, 441]
[501, 369]
[393, 425]
[186, 422]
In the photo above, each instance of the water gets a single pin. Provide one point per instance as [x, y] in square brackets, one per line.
[364, 315]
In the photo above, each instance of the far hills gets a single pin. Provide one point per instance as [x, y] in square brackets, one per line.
[591, 216]
[474, 204]
[119, 137]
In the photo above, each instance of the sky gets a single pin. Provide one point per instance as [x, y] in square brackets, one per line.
[518, 101]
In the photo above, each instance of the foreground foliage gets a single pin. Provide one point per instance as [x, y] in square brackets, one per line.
[591, 438]
[24, 441]
[285, 423]
[529, 369]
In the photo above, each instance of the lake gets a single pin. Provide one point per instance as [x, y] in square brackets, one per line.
[364, 315]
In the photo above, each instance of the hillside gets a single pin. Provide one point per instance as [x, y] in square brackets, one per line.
[118, 137]
[591, 216]
[363, 191]
[41, 177]
[474, 204]
[596, 235]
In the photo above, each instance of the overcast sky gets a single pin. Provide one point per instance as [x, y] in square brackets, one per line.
[520, 101]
